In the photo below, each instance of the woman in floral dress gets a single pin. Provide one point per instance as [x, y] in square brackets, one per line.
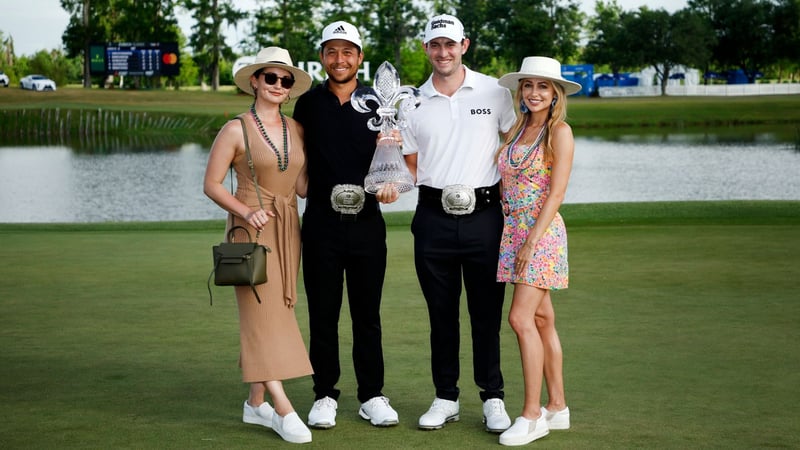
[535, 165]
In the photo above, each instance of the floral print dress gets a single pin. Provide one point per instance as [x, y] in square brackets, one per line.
[526, 185]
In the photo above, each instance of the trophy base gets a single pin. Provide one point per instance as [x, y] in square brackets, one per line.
[402, 182]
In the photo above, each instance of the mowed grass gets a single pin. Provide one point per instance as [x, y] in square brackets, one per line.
[590, 113]
[679, 330]
[222, 102]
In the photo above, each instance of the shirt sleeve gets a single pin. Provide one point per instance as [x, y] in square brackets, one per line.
[508, 115]
[299, 110]
[410, 145]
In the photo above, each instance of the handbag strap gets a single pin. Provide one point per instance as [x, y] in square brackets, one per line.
[252, 167]
[216, 266]
[249, 264]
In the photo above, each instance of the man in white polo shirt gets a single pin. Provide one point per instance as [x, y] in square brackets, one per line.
[450, 145]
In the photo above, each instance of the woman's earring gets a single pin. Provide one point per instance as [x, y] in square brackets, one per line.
[523, 108]
[555, 99]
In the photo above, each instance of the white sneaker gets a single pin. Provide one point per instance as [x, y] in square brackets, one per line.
[558, 420]
[378, 411]
[495, 416]
[440, 412]
[261, 415]
[291, 428]
[525, 431]
[323, 413]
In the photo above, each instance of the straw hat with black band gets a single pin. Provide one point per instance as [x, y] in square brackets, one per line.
[273, 57]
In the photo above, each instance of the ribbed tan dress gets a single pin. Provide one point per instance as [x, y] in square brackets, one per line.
[272, 347]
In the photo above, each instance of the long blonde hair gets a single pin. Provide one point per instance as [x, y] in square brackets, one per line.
[558, 114]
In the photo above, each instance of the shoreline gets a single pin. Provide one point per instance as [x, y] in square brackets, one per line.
[739, 212]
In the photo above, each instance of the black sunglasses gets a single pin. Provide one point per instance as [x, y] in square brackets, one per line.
[271, 78]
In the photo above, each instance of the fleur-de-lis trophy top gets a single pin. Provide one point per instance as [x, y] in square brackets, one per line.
[393, 100]
[388, 166]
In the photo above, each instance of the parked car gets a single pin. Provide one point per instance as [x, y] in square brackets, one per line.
[37, 83]
[3, 79]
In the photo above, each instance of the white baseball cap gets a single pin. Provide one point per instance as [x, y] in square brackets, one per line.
[444, 25]
[341, 30]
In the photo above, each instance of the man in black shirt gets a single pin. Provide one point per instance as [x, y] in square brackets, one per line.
[344, 234]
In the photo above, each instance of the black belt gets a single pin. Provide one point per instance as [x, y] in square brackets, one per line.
[484, 196]
[363, 214]
[369, 211]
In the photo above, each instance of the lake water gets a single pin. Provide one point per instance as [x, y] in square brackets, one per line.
[55, 184]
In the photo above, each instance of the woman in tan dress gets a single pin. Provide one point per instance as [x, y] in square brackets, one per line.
[272, 347]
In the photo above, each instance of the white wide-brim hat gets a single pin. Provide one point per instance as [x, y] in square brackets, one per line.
[539, 67]
[273, 57]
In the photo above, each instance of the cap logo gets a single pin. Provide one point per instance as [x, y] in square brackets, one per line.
[441, 23]
[339, 30]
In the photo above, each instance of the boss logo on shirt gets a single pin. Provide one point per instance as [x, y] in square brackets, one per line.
[480, 111]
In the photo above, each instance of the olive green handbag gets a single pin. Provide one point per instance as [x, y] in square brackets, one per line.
[239, 263]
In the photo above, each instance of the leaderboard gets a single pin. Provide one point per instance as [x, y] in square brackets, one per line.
[143, 59]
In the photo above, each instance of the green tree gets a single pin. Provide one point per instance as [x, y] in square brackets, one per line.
[207, 39]
[146, 21]
[693, 40]
[519, 28]
[610, 41]
[415, 64]
[482, 29]
[443, 7]
[7, 56]
[744, 31]
[333, 8]
[391, 27]
[189, 73]
[786, 23]
[54, 65]
[90, 22]
[100, 21]
[347, 10]
[287, 24]
[566, 29]
[665, 40]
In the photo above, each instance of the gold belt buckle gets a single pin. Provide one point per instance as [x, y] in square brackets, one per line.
[347, 198]
[458, 199]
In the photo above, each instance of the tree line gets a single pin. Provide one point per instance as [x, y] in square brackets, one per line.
[755, 36]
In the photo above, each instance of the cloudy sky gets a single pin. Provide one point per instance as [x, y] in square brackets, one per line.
[38, 24]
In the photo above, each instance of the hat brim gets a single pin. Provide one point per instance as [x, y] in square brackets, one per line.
[511, 81]
[357, 44]
[302, 80]
[452, 37]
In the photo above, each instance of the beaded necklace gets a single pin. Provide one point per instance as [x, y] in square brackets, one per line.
[528, 151]
[283, 163]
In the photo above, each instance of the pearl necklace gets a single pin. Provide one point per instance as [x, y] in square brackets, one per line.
[283, 163]
[528, 151]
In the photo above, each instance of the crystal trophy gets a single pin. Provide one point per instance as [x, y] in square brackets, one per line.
[388, 167]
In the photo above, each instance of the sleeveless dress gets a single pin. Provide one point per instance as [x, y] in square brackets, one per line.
[525, 189]
[272, 346]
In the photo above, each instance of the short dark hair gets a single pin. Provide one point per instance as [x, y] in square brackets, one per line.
[322, 46]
